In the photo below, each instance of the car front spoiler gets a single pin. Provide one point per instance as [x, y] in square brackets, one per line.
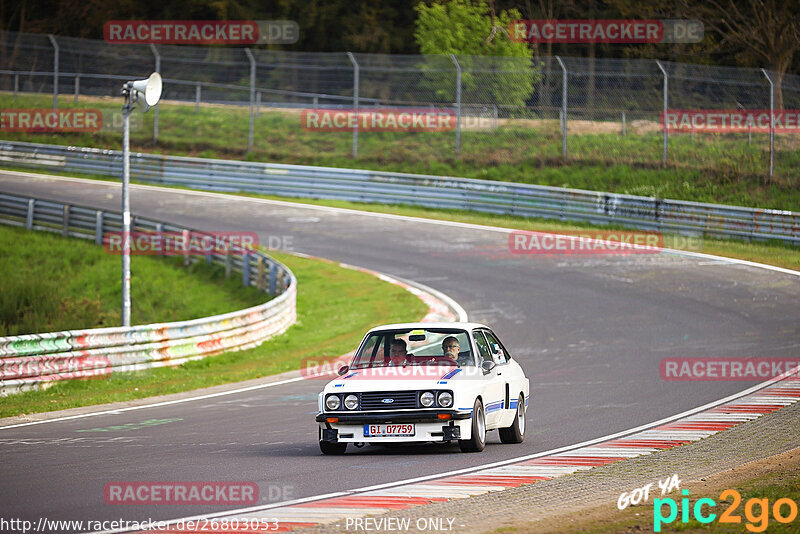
[420, 416]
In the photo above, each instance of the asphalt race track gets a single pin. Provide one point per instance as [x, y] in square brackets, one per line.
[589, 330]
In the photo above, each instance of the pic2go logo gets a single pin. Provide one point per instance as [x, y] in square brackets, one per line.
[756, 511]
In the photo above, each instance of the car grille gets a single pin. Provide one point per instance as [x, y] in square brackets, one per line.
[400, 400]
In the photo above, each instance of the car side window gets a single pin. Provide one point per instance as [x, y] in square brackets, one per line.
[483, 347]
[498, 352]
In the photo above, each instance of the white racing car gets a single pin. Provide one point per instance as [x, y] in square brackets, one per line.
[425, 382]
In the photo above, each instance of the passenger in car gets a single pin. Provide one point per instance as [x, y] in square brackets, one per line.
[397, 353]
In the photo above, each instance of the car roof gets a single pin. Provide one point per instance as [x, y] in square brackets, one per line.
[405, 326]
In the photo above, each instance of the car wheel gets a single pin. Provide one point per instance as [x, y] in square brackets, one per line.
[328, 447]
[478, 440]
[516, 432]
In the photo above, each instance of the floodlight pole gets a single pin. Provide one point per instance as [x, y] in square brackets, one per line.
[126, 206]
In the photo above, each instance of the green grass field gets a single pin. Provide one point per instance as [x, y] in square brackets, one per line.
[712, 168]
[335, 307]
[52, 283]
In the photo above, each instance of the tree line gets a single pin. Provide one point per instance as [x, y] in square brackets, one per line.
[750, 33]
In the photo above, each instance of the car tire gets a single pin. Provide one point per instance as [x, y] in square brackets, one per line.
[516, 432]
[329, 447]
[477, 441]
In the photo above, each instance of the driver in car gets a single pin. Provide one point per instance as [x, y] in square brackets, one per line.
[451, 348]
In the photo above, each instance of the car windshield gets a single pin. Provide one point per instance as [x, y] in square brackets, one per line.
[419, 346]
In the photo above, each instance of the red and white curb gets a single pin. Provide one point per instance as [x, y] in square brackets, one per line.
[766, 398]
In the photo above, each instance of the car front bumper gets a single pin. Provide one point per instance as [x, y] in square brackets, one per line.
[349, 428]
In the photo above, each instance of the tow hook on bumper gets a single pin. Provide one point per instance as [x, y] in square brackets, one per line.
[451, 432]
[330, 434]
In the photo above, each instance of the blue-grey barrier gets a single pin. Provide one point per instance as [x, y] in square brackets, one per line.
[416, 189]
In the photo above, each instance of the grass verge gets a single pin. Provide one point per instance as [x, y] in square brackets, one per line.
[335, 306]
[721, 168]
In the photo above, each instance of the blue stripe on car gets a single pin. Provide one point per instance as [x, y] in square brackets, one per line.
[494, 406]
[451, 374]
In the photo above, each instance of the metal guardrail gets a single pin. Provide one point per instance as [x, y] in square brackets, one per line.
[31, 361]
[415, 189]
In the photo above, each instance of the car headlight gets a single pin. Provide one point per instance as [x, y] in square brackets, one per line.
[332, 402]
[426, 399]
[351, 402]
[445, 399]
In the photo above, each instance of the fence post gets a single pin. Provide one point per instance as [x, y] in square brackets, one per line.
[157, 56]
[458, 103]
[252, 97]
[260, 277]
[563, 109]
[29, 218]
[186, 235]
[197, 97]
[98, 228]
[624, 132]
[77, 87]
[16, 84]
[55, 69]
[664, 118]
[771, 124]
[65, 220]
[356, 77]
[273, 278]
[245, 268]
[281, 281]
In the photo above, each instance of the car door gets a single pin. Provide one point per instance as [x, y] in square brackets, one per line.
[511, 377]
[494, 385]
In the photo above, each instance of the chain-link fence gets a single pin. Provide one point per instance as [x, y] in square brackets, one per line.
[507, 110]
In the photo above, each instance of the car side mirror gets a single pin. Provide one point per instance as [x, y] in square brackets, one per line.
[343, 369]
[487, 366]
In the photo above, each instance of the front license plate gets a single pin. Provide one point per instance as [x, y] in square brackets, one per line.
[385, 431]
